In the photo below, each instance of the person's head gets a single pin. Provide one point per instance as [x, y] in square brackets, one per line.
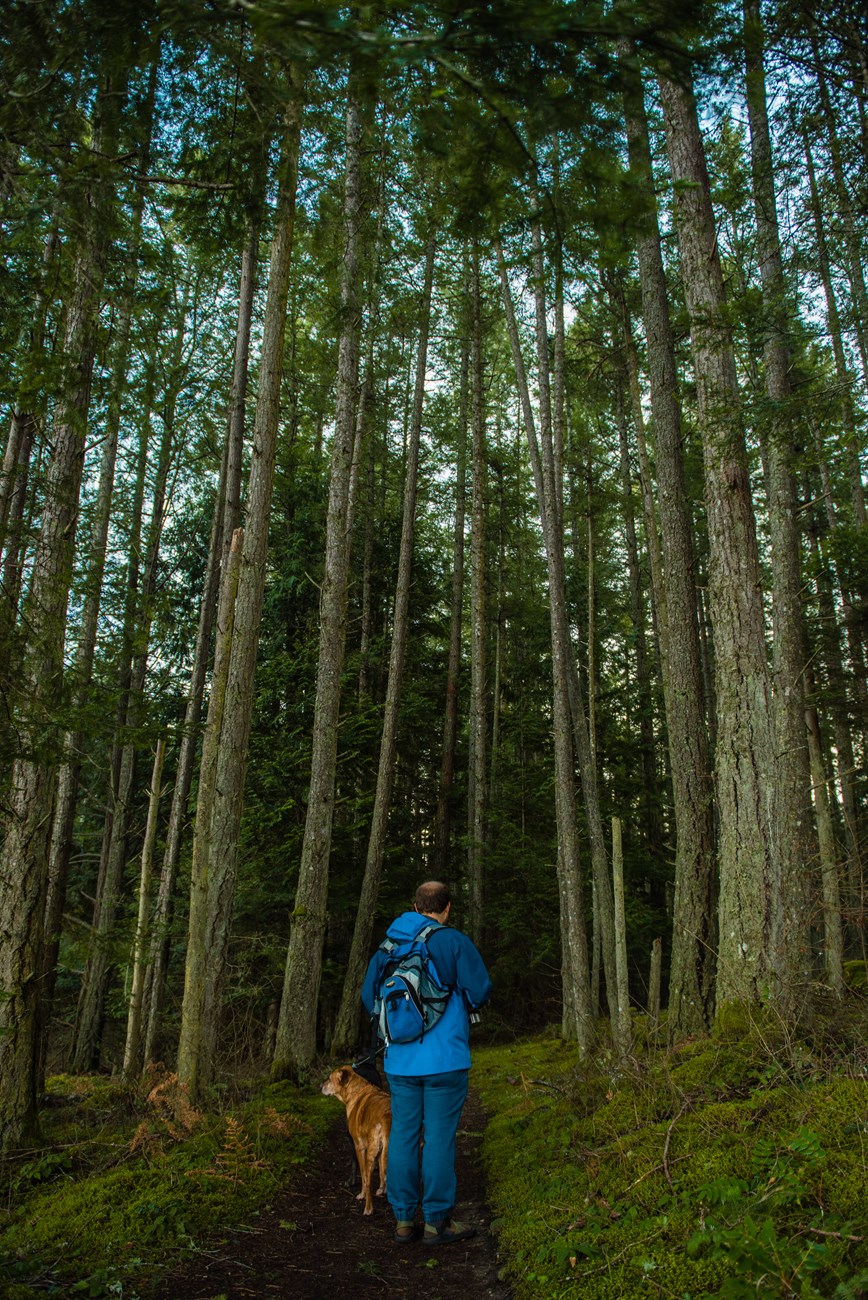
[433, 898]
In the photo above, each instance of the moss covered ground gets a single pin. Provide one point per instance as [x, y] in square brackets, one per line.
[733, 1166]
[729, 1167]
[128, 1183]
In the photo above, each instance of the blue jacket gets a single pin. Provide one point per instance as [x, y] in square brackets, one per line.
[459, 967]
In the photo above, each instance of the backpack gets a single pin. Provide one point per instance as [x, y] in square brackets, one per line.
[411, 999]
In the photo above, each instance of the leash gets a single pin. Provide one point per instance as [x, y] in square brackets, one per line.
[371, 1057]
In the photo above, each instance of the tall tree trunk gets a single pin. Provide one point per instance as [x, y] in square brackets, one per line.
[450, 712]
[13, 480]
[839, 712]
[24, 852]
[348, 1015]
[132, 1049]
[579, 1015]
[651, 810]
[582, 722]
[833, 936]
[751, 906]
[295, 1042]
[193, 1066]
[66, 800]
[621, 1009]
[693, 942]
[796, 842]
[227, 511]
[26, 418]
[218, 810]
[476, 783]
[98, 969]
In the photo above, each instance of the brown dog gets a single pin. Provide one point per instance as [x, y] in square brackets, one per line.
[369, 1120]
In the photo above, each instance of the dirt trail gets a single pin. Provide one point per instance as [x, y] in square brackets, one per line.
[326, 1246]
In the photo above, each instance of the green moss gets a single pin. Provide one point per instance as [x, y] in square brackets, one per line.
[111, 1206]
[674, 1178]
[856, 974]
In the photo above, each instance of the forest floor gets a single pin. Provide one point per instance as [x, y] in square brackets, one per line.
[314, 1241]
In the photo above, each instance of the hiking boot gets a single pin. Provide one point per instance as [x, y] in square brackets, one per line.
[405, 1232]
[440, 1234]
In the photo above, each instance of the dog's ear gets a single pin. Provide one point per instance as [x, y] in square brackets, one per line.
[345, 1074]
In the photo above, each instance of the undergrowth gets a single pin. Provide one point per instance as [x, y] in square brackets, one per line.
[128, 1183]
[732, 1167]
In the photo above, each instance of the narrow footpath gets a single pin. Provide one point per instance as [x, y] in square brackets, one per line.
[314, 1243]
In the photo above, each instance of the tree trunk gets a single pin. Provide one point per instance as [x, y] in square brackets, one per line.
[345, 1033]
[833, 936]
[476, 783]
[751, 906]
[693, 941]
[796, 843]
[227, 511]
[839, 712]
[582, 723]
[579, 1023]
[24, 852]
[621, 1010]
[193, 1069]
[68, 778]
[295, 1043]
[132, 1049]
[218, 811]
[450, 712]
[98, 969]
[651, 806]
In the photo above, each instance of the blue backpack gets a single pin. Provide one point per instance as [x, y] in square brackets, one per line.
[411, 998]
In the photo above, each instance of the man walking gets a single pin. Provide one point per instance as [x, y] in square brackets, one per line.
[428, 1077]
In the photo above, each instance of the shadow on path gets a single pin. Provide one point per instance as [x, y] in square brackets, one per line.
[315, 1243]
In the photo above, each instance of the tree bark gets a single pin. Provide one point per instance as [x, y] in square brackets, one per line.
[345, 1033]
[227, 511]
[24, 852]
[622, 1007]
[295, 1042]
[833, 935]
[218, 819]
[797, 844]
[450, 712]
[751, 905]
[66, 800]
[193, 1070]
[693, 941]
[98, 969]
[579, 1016]
[651, 805]
[132, 1048]
[476, 782]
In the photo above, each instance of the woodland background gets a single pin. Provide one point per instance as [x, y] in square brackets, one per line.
[528, 346]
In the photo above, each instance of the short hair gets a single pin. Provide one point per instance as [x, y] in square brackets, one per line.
[433, 896]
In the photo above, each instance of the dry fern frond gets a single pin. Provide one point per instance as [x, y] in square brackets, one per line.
[237, 1158]
[172, 1107]
[277, 1124]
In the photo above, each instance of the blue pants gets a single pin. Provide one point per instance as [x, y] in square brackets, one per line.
[432, 1102]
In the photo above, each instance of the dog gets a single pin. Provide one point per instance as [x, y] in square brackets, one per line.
[369, 1120]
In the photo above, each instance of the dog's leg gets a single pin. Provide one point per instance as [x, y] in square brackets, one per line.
[365, 1157]
[384, 1159]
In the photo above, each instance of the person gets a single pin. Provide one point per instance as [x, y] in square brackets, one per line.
[428, 1078]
